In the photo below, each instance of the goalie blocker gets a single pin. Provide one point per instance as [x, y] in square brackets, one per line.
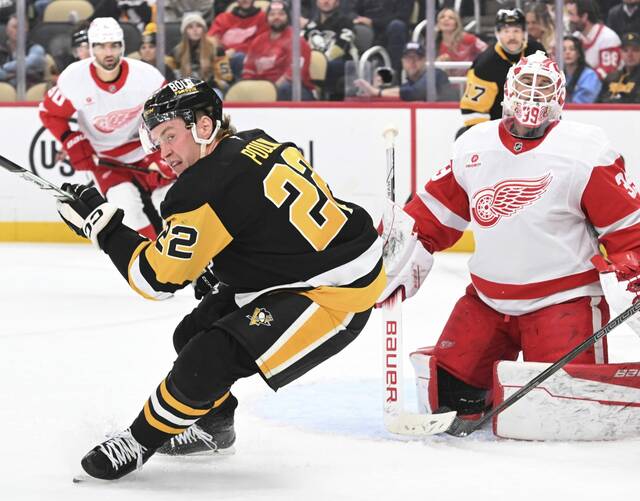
[579, 402]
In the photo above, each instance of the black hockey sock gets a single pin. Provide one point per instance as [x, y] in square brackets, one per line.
[168, 413]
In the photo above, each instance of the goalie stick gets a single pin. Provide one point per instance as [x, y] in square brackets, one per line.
[43, 184]
[396, 419]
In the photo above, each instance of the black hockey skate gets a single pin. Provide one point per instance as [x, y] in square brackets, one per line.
[211, 434]
[115, 457]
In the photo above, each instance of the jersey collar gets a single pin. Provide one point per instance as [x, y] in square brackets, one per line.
[518, 145]
[117, 84]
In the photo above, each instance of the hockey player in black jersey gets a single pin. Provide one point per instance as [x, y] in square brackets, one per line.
[298, 271]
[482, 99]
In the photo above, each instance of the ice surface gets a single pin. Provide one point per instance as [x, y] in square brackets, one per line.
[80, 352]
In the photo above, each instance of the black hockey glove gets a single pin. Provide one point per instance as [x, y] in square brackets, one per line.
[89, 215]
[205, 282]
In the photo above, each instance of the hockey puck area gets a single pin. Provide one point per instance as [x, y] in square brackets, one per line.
[352, 408]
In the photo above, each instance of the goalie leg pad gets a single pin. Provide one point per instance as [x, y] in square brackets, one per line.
[438, 388]
[424, 365]
[579, 402]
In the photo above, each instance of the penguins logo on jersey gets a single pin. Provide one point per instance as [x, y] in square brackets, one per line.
[260, 316]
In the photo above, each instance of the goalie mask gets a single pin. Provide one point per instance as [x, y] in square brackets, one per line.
[534, 95]
[183, 99]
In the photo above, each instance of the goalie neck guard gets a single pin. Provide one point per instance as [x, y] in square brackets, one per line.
[181, 99]
[534, 94]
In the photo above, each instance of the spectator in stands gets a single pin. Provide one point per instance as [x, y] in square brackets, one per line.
[415, 88]
[236, 30]
[483, 95]
[34, 60]
[583, 83]
[137, 12]
[176, 9]
[80, 44]
[147, 52]
[389, 20]
[269, 56]
[601, 44]
[7, 9]
[331, 32]
[623, 86]
[540, 26]
[198, 56]
[79, 47]
[453, 43]
[625, 17]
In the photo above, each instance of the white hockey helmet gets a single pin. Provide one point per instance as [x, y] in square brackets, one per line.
[534, 94]
[103, 30]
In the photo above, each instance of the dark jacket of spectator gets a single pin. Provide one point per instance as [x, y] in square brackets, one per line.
[381, 12]
[621, 22]
[622, 86]
[137, 12]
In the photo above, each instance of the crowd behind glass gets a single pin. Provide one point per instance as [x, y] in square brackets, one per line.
[362, 50]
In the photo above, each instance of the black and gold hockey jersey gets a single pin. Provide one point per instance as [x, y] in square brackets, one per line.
[267, 220]
[482, 99]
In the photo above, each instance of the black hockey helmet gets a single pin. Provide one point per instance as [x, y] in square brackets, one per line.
[180, 99]
[510, 17]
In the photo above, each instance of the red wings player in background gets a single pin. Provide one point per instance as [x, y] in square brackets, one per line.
[108, 91]
[540, 194]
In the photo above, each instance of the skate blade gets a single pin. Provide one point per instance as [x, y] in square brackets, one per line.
[229, 451]
[83, 478]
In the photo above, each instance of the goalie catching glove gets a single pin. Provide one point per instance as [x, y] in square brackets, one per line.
[406, 261]
[89, 215]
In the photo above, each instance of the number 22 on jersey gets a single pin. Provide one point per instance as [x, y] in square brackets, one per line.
[310, 189]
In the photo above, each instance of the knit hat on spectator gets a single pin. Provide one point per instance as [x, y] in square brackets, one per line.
[631, 38]
[192, 17]
[413, 47]
[283, 5]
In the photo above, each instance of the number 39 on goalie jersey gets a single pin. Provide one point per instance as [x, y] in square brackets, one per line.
[268, 220]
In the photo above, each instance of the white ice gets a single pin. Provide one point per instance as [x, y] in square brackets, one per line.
[80, 353]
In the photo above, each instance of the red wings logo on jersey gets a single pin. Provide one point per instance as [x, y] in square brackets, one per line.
[116, 119]
[506, 198]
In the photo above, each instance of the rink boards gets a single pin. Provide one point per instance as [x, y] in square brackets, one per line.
[343, 141]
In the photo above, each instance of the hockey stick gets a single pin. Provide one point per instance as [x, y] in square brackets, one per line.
[396, 419]
[114, 164]
[462, 428]
[43, 184]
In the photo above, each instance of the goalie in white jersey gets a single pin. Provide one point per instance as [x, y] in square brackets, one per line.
[541, 195]
[108, 91]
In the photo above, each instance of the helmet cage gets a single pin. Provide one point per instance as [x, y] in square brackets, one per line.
[536, 101]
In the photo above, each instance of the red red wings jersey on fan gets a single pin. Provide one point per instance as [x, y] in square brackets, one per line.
[108, 113]
[538, 210]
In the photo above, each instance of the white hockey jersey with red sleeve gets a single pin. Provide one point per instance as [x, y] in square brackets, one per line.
[602, 49]
[538, 210]
[108, 114]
